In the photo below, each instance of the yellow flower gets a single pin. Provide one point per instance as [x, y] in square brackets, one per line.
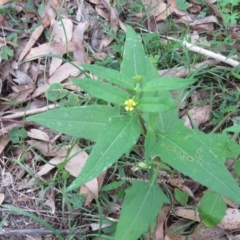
[130, 103]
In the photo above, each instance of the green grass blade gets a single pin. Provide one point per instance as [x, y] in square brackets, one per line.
[142, 203]
[44, 223]
[116, 139]
[81, 122]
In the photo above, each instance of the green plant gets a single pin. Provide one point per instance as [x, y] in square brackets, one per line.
[230, 11]
[6, 52]
[139, 103]
[17, 135]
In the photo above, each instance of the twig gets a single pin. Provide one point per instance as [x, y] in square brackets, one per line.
[6, 232]
[224, 120]
[183, 71]
[14, 30]
[207, 53]
[30, 112]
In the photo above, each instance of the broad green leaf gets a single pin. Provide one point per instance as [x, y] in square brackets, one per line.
[142, 203]
[102, 90]
[180, 196]
[111, 75]
[234, 149]
[155, 104]
[151, 72]
[119, 135]
[166, 120]
[196, 154]
[81, 122]
[163, 84]
[134, 59]
[233, 129]
[212, 209]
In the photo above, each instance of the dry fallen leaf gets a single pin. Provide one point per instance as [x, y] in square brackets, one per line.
[47, 149]
[102, 12]
[75, 165]
[22, 93]
[87, 191]
[57, 48]
[4, 1]
[80, 54]
[34, 37]
[22, 78]
[158, 9]
[175, 230]
[59, 75]
[199, 114]
[4, 140]
[177, 183]
[202, 232]
[159, 228]
[48, 16]
[50, 202]
[62, 32]
[49, 166]
[2, 197]
[230, 221]
[38, 134]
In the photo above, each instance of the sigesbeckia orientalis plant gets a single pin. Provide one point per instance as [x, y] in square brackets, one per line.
[137, 102]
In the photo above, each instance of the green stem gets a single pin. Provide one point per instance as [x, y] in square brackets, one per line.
[224, 120]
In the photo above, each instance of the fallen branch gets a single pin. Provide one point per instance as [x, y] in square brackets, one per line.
[183, 71]
[7, 232]
[30, 112]
[207, 53]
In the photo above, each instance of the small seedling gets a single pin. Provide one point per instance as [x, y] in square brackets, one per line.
[17, 135]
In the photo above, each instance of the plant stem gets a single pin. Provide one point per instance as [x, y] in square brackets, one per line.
[224, 120]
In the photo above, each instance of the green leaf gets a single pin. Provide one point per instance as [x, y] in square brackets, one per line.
[212, 209]
[55, 92]
[111, 75]
[142, 203]
[235, 128]
[112, 186]
[81, 122]
[163, 84]
[183, 5]
[16, 134]
[102, 90]
[180, 196]
[196, 154]
[167, 120]
[116, 139]
[134, 59]
[22, 133]
[155, 104]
